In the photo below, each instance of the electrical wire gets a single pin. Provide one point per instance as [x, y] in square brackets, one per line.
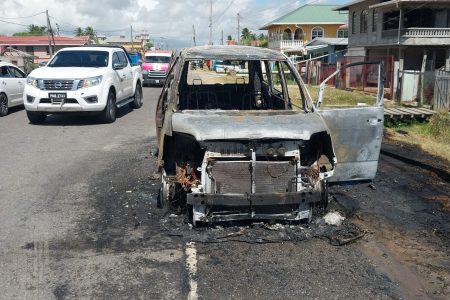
[11, 18]
[14, 23]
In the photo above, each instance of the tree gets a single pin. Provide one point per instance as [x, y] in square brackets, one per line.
[90, 32]
[245, 33]
[229, 38]
[148, 46]
[79, 31]
[33, 30]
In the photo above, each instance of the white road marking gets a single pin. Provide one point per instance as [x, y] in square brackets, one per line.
[191, 265]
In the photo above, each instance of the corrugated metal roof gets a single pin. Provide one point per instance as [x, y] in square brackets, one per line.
[231, 53]
[311, 14]
[41, 40]
[328, 41]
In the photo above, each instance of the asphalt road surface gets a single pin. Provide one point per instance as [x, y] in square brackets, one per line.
[78, 220]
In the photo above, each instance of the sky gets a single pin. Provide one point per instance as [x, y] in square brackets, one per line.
[168, 22]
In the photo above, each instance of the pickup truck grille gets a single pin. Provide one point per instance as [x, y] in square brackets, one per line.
[57, 85]
[159, 74]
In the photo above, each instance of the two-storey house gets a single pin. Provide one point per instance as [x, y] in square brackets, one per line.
[416, 33]
[290, 33]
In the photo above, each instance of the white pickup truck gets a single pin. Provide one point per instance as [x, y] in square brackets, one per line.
[95, 79]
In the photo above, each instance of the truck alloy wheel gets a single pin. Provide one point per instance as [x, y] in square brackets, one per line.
[3, 105]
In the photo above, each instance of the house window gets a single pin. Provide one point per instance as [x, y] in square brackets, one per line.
[298, 35]
[364, 15]
[29, 49]
[316, 32]
[354, 23]
[374, 20]
[287, 34]
[342, 33]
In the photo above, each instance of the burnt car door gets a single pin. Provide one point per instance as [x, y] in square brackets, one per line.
[351, 104]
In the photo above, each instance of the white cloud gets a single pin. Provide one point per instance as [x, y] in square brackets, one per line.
[171, 20]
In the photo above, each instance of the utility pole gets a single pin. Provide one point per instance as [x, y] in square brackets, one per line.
[50, 35]
[222, 37]
[193, 29]
[239, 28]
[131, 36]
[210, 22]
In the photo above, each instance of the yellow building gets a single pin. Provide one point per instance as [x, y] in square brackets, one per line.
[292, 31]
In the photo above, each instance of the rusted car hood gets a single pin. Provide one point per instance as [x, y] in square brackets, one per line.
[224, 125]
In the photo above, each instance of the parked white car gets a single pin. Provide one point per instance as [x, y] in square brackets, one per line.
[12, 83]
[95, 79]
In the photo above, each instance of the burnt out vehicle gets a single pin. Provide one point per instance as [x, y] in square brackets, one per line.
[254, 145]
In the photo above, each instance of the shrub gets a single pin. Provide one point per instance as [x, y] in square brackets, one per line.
[440, 126]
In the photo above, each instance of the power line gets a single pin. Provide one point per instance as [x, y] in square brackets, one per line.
[14, 23]
[10, 18]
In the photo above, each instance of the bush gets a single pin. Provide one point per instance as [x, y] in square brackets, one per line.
[440, 126]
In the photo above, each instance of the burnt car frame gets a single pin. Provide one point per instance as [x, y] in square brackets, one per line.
[242, 148]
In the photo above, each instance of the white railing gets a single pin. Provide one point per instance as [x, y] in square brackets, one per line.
[426, 32]
[418, 33]
[285, 44]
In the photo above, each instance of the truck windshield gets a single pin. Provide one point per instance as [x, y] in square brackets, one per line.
[80, 58]
[157, 59]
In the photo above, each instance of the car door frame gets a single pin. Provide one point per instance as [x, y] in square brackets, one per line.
[356, 132]
[119, 73]
[19, 84]
[128, 79]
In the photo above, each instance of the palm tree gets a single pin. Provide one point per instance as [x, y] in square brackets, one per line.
[79, 31]
[245, 34]
[89, 31]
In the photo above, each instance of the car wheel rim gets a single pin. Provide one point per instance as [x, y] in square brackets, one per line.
[111, 107]
[3, 104]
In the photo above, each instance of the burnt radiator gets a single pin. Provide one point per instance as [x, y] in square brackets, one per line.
[236, 176]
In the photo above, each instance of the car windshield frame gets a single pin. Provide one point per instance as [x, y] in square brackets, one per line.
[80, 59]
[157, 59]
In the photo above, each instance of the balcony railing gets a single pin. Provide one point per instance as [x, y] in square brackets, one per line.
[286, 44]
[418, 33]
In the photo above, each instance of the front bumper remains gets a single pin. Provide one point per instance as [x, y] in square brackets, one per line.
[289, 206]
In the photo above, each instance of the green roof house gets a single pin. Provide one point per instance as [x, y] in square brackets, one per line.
[290, 32]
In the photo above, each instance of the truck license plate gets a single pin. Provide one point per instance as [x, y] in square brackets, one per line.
[157, 80]
[57, 98]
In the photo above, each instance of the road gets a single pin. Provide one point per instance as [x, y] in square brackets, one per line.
[78, 220]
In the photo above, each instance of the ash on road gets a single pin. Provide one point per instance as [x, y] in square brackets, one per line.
[78, 219]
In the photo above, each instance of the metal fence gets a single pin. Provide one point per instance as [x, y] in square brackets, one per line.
[427, 88]
[361, 78]
[441, 96]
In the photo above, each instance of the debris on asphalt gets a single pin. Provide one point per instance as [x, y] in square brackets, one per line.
[334, 218]
[372, 186]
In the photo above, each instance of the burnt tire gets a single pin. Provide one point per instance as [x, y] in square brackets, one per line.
[137, 102]
[3, 105]
[35, 117]
[108, 115]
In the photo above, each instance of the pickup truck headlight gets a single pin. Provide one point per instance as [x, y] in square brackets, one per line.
[32, 81]
[90, 82]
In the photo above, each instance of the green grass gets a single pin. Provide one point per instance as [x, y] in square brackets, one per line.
[335, 97]
[432, 136]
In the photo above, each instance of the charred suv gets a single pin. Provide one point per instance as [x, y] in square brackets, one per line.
[253, 145]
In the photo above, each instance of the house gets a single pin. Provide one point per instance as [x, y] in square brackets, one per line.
[136, 44]
[416, 34]
[290, 33]
[19, 58]
[330, 50]
[38, 46]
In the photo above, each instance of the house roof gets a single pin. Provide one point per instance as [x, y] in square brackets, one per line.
[310, 14]
[346, 6]
[393, 3]
[42, 40]
[328, 41]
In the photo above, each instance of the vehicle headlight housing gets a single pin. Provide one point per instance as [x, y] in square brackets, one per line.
[90, 82]
[32, 81]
